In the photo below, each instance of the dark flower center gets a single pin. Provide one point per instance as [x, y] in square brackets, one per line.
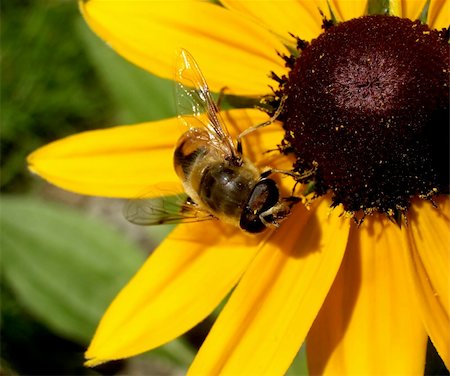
[368, 105]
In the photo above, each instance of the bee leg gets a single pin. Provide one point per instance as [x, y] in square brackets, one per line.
[264, 124]
[266, 174]
[296, 175]
[274, 215]
[239, 146]
[272, 224]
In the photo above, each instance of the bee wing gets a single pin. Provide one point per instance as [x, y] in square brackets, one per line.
[196, 106]
[164, 210]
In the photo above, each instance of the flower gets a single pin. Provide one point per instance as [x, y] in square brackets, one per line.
[365, 298]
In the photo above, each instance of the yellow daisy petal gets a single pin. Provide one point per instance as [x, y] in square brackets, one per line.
[368, 324]
[128, 161]
[122, 161]
[411, 8]
[347, 9]
[162, 301]
[427, 243]
[269, 314]
[301, 18]
[439, 15]
[396, 8]
[231, 50]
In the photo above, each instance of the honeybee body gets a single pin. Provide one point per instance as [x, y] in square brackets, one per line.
[218, 186]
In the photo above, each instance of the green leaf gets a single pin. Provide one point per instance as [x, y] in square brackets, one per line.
[66, 268]
[379, 6]
[332, 15]
[177, 352]
[299, 366]
[140, 96]
[423, 17]
[63, 267]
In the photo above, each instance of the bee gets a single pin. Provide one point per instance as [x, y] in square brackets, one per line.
[218, 181]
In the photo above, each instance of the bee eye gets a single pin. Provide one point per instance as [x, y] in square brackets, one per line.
[265, 195]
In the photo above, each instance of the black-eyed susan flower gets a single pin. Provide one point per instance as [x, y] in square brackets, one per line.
[366, 107]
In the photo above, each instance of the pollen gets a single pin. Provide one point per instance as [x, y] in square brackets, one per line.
[368, 102]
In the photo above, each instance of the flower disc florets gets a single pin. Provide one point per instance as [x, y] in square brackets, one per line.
[368, 107]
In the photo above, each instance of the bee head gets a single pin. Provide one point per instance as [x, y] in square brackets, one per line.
[264, 196]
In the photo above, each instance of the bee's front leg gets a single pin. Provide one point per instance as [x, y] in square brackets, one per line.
[294, 174]
[274, 215]
[263, 124]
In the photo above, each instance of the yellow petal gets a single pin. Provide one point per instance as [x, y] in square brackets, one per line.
[347, 9]
[301, 18]
[438, 13]
[231, 50]
[122, 161]
[178, 286]
[411, 8]
[269, 314]
[369, 323]
[395, 8]
[129, 161]
[427, 245]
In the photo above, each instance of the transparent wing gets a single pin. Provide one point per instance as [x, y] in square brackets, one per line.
[164, 210]
[196, 106]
